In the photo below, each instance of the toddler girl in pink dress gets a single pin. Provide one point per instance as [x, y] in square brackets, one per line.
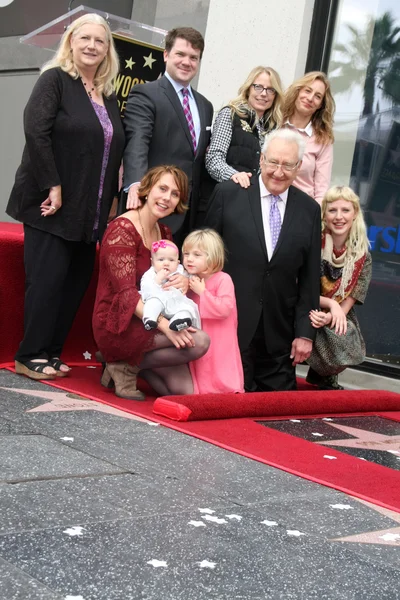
[220, 369]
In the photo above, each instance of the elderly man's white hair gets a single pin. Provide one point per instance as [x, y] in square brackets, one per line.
[289, 135]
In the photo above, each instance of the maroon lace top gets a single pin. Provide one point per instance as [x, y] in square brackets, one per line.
[119, 333]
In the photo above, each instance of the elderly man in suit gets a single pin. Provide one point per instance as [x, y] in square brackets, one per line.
[167, 122]
[272, 232]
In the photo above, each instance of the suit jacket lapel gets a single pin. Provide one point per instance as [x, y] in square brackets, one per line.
[173, 98]
[202, 115]
[255, 207]
[287, 219]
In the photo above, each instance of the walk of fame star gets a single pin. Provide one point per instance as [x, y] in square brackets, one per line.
[149, 60]
[386, 537]
[365, 440]
[65, 401]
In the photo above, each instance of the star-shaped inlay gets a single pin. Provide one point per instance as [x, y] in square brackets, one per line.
[386, 537]
[206, 564]
[73, 531]
[214, 519]
[149, 60]
[64, 401]
[157, 563]
[87, 355]
[365, 440]
[129, 63]
[269, 523]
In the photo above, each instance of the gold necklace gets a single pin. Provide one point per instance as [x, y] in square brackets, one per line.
[143, 233]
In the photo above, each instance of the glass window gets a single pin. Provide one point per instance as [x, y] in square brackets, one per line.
[364, 70]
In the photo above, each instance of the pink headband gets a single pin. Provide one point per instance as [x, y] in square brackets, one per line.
[162, 244]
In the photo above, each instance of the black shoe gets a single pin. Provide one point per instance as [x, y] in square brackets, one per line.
[150, 324]
[330, 383]
[179, 324]
[314, 378]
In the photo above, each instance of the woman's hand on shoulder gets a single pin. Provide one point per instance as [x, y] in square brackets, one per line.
[243, 179]
[180, 339]
[52, 203]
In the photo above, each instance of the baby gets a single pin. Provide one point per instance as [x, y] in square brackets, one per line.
[171, 303]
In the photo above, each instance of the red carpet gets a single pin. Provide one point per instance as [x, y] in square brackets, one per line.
[227, 406]
[369, 481]
[12, 281]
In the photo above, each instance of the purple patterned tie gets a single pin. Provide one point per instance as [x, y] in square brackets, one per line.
[275, 221]
[188, 115]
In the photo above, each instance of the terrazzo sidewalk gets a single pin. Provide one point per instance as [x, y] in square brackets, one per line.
[98, 505]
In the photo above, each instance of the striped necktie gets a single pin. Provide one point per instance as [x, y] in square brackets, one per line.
[189, 117]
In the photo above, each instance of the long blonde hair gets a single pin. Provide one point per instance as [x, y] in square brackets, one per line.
[274, 114]
[357, 242]
[322, 119]
[210, 242]
[108, 68]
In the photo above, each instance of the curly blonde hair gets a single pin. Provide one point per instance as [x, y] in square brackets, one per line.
[108, 68]
[274, 114]
[322, 119]
[357, 241]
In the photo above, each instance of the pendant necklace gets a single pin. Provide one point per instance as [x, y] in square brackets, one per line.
[143, 233]
[89, 92]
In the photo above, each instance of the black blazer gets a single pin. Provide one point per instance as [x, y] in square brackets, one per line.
[157, 133]
[284, 288]
[64, 145]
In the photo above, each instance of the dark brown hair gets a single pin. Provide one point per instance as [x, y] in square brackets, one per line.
[189, 34]
[154, 175]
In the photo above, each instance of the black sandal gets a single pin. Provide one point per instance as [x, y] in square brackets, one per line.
[34, 370]
[56, 363]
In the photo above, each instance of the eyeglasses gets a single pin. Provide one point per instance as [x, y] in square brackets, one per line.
[260, 89]
[287, 167]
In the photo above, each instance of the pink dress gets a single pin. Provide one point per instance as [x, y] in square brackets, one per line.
[220, 369]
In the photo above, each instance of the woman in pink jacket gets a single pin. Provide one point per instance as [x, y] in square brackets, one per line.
[309, 107]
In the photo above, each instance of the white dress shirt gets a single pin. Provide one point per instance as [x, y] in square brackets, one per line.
[178, 87]
[266, 202]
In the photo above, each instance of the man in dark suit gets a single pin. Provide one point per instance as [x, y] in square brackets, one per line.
[167, 122]
[272, 232]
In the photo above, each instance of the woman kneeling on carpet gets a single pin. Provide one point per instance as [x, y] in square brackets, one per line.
[346, 268]
[162, 354]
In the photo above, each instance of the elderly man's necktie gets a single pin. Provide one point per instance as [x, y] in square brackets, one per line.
[189, 117]
[275, 221]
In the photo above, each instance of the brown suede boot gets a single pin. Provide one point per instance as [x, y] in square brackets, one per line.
[125, 378]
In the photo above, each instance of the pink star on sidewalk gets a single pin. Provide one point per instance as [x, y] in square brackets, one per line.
[365, 440]
[64, 401]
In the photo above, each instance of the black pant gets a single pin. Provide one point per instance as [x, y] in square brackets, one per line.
[264, 372]
[57, 274]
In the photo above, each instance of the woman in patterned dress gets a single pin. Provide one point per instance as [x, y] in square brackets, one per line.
[65, 186]
[161, 355]
[346, 267]
[240, 128]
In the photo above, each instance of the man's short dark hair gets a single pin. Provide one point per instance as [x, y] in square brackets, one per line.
[189, 34]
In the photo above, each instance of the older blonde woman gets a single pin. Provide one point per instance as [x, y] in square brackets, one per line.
[240, 128]
[309, 107]
[64, 187]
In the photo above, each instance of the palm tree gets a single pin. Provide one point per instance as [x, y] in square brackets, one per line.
[371, 57]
